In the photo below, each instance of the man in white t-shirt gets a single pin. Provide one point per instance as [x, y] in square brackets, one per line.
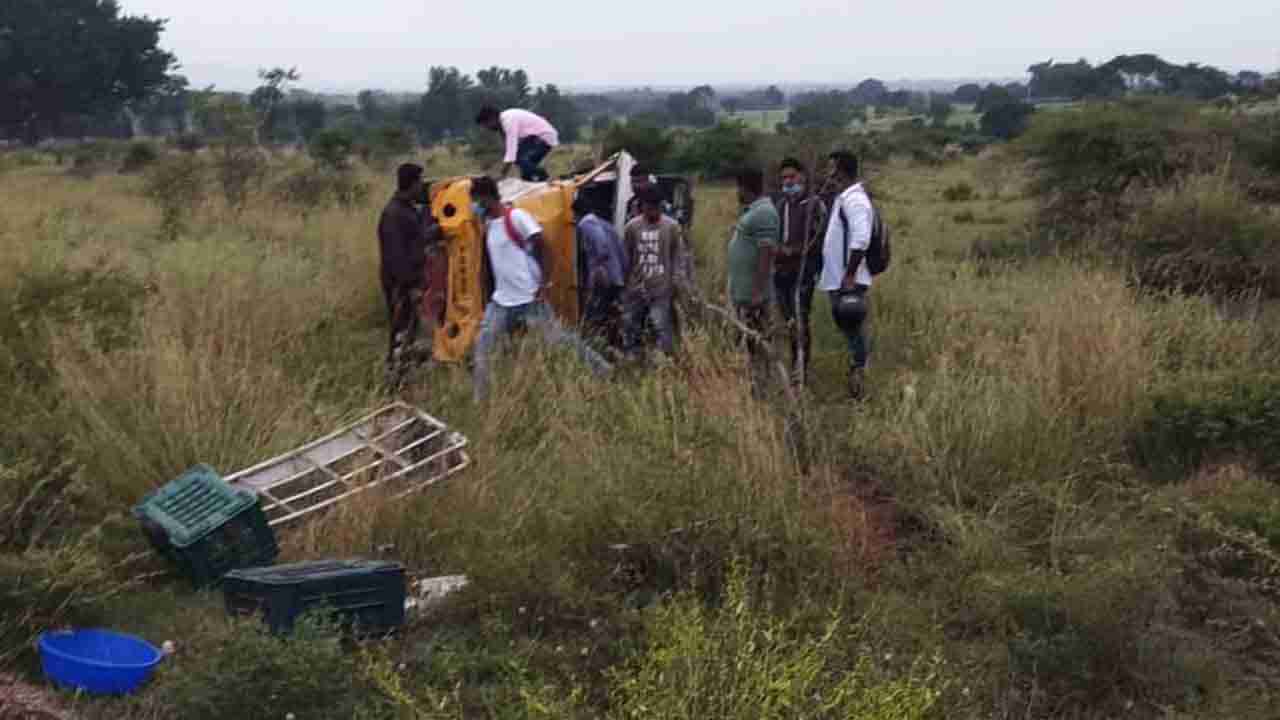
[844, 266]
[517, 260]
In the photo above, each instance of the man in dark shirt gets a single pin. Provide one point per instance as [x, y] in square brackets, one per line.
[798, 260]
[404, 233]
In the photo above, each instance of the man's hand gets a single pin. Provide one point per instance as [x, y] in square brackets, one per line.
[757, 298]
[544, 292]
[850, 282]
[506, 169]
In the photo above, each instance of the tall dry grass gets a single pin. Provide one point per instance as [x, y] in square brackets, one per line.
[988, 476]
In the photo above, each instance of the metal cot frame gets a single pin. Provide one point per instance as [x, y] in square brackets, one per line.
[397, 444]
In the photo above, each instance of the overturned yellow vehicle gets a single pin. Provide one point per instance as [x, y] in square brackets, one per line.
[551, 203]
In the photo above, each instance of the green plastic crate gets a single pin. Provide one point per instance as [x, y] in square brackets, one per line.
[206, 527]
[365, 595]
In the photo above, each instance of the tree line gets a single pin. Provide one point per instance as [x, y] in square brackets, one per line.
[77, 68]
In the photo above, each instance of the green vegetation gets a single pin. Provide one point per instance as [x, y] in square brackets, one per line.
[1058, 501]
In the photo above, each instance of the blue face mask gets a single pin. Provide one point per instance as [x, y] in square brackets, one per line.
[793, 189]
[478, 210]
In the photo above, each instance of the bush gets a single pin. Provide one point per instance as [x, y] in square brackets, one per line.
[1087, 160]
[240, 170]
[716, 153]
[1007, 121]
[332, 148]
[315, 188]
[385, 144]
[177, 186]
[960, 192]
[244, 671]
[1224, 418]
[139, 156]
[45, 588]
[189, 142]
[650, 144]
[1090, 640]
[88, 159]
[744, 661]
[1204, 235]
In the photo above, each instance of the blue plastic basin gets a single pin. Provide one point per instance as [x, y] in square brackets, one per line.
[98, 661]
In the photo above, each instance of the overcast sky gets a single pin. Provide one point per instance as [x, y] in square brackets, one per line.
[388, 44]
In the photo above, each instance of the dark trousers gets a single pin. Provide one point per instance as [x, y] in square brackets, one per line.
[603, 317]
[754, 317]
[786, 284]
[402, 312]
[858, 341]
[529, 155]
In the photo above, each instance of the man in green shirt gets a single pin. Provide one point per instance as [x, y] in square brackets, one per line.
[755, 239]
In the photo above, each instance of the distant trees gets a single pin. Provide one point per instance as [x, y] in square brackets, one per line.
[968, 93]
[560, 111]
[696, 108]
[266, 100]
[1125, 74]
[60, 59]
[1007, 120]
[833, 109]
[870, 92]
[940, 110]
[448, 108]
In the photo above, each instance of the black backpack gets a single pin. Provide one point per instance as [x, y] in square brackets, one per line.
[879, 253]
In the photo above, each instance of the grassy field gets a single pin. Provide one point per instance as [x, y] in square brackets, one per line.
[975, 541]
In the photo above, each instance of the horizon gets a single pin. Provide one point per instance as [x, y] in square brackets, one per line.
[343, 49]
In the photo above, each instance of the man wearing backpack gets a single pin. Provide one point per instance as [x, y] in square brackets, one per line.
[854, 250]
[516, 262]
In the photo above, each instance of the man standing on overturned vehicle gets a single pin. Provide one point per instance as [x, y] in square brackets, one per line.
[517, 262]
[528, 138]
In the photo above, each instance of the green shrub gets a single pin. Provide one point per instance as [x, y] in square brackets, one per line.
[385, 144]
[65, 585]
[332, 148]
[241, 169]
[649, 144]
[742, 660]
[719, 151]
[1087, 159]
[1197, 422]
[178, 186]
[1007, 121]
[88, 159]
[189, 142]
[960, 192]
[1205, 235]
[244, 671]
[1087, 641]
[139, 156]
[315, 188]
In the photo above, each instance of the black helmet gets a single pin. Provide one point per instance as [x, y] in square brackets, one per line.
[849, 311]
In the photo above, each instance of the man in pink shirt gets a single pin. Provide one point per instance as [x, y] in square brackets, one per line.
[529, 138]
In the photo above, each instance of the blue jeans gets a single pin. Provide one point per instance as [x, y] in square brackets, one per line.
[656, 311]
[529, 154]
[859, 343]
[498, 323]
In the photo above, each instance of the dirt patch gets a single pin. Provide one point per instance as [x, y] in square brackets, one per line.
[23, 701]
[874, 527]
